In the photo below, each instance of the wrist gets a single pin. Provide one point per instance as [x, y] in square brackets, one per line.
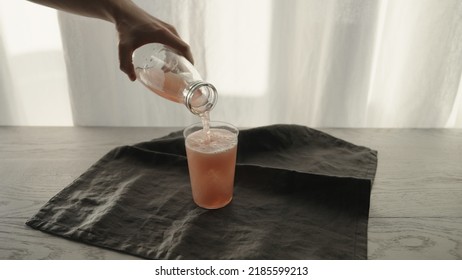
[124, 13]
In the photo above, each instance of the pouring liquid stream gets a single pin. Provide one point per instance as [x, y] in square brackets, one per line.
[205, 118]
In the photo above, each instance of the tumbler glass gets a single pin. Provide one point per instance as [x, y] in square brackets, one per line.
[211, 159]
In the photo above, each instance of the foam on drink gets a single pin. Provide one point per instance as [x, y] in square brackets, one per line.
[215, 140]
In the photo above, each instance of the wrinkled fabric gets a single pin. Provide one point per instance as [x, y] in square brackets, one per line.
[299, 194]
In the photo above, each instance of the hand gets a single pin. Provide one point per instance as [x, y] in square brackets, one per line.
[142, 29]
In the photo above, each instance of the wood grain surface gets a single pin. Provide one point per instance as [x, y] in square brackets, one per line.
[416, 200]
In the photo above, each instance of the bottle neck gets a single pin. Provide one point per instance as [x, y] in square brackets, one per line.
[200, 97]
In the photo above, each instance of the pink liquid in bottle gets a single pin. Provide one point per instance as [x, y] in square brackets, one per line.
[173, 77]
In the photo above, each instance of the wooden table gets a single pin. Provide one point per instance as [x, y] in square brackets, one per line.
[416, 201]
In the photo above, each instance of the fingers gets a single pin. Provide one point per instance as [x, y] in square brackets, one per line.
[126, 52]
[137, 36]
[181, 47]
[125, 61]
[171, 38]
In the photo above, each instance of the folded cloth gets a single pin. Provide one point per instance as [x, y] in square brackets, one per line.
[299, 194]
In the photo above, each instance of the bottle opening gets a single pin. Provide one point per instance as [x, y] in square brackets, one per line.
[200, 97]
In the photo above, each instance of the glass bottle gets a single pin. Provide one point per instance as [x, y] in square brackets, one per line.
[172, 76]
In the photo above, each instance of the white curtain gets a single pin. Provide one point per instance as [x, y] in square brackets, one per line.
[33, 82]
[330, 63]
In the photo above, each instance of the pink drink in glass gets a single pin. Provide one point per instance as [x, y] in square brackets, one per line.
[211, 162]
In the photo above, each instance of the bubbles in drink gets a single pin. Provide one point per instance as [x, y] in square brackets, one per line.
[217, 140]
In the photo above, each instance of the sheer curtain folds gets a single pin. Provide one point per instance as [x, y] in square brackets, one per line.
[33, 83]
[349, 63]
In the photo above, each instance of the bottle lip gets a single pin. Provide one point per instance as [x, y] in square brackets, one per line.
[192, 87]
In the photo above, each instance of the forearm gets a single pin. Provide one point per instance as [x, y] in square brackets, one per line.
[109, 10]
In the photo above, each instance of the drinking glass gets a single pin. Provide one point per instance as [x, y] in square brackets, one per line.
[211, 159]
